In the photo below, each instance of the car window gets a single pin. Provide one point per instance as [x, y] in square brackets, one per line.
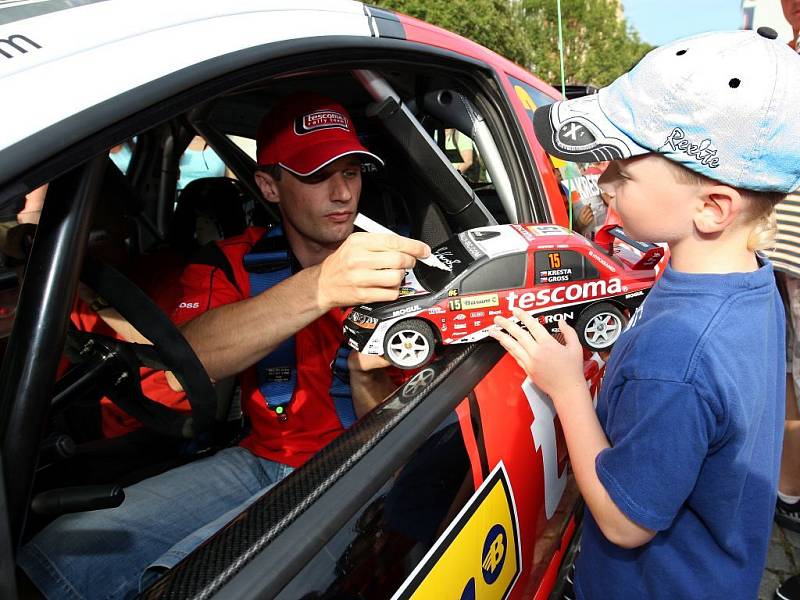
[555, 266]
[454, 255]
[463, 154]
[578, 180]
[502, 273]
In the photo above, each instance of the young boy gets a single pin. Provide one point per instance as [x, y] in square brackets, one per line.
[679, 465]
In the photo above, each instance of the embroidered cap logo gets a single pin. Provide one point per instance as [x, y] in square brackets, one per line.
[704, 152]
[320, 119]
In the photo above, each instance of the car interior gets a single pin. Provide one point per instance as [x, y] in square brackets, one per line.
[143, 233]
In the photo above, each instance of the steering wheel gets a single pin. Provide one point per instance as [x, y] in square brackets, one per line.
[170, 351]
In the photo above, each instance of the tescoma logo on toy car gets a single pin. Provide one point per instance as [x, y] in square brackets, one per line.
[468, 302]
[564, 293]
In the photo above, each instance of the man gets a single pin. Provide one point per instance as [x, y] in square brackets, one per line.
[309, 167]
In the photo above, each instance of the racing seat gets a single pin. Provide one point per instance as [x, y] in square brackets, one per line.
[208, 209]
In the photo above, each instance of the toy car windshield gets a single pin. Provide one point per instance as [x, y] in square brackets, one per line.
[452, 253]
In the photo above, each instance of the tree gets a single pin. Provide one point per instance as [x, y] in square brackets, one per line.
[491, 23]
[598, 46]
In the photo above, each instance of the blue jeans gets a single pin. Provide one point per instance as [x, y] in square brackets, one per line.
[110, 553]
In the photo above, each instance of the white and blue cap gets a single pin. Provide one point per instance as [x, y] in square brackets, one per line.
[725, 105]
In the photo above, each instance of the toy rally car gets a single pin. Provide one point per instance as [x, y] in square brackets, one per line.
[546, 270]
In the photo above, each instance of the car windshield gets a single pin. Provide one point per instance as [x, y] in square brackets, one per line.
[453, 254]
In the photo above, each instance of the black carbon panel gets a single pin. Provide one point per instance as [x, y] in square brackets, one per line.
[206, 570]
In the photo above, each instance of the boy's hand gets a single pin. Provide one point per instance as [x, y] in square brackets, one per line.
[554, 367]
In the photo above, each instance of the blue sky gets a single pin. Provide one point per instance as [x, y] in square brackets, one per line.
[662, 21]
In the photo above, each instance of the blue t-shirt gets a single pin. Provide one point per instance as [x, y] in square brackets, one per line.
[693, 406]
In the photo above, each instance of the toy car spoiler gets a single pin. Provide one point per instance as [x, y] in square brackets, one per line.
[651, 253]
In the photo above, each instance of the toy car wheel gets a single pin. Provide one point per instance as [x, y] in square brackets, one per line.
[409, 344]
[599, 326]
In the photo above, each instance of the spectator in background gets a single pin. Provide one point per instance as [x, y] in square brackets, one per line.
[786, 260]
[121, 155]
[200, 160]
[459, 150]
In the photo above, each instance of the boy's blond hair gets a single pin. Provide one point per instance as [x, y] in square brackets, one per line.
[761, 206]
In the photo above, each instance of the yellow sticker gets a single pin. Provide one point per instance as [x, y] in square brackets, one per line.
[478, 556]
[482, 301]
[525, 98]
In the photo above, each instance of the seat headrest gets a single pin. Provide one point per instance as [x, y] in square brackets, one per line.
[209, 208]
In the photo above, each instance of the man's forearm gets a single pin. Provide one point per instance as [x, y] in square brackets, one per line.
[585, 440]
[230, 338]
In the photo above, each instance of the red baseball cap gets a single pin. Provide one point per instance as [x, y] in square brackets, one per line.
[306, 132]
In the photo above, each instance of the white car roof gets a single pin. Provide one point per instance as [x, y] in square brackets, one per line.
[60, 57]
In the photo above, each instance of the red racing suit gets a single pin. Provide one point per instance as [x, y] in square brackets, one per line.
[311, 419]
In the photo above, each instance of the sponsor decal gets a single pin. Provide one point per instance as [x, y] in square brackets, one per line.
[189, 305]
[436, 310]
[704, 152]
[549, 319]
[635, 294]
[470, 246]
[460, 326]
[468, 302]
[12, 45]
[452, 293]
[523, 232]
[407, 291]
[495, 312]
[476, 323]
[320, 119]
[555, 275]
[602, 260]
[459, 317]
[547, 230]
[477, 315]
[405, 311]
[478, 556]
[566, 293]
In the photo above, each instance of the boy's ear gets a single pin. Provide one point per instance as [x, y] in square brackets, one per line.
[268, 186]
[718, 208]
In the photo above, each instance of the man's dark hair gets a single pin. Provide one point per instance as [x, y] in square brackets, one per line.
[272, 170]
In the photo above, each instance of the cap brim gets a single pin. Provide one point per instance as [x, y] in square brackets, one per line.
[578, 130]
[307, 163]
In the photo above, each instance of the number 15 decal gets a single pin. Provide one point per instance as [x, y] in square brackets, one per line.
[543, 430]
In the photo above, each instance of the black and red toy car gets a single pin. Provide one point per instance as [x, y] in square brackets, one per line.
[544, 269]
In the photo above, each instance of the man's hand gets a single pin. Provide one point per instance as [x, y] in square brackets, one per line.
[369, 381]
[363, 363]
[367, 267]
[555, 368]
